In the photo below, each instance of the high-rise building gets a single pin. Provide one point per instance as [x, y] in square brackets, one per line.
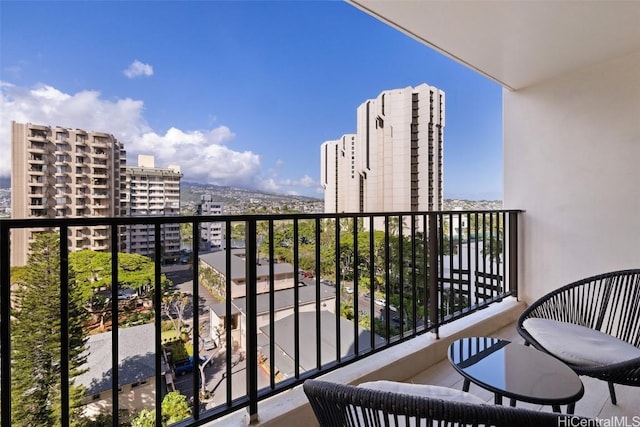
[62, 172]
[152, 191]
[395, 162]
[339, 175]
[211, 233]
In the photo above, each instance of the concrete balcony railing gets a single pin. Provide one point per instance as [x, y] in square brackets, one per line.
[327, 293]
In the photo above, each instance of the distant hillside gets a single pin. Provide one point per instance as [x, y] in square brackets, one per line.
[241, 200]
[5, 182]
[195, 189]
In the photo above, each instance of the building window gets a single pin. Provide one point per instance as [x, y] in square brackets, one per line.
[234, 322]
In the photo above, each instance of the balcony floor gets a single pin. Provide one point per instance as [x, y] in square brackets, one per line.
[594, 404]
[403, 363]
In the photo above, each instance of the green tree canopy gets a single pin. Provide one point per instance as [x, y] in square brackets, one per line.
[93, 271]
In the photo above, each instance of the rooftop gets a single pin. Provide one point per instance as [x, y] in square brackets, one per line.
[217, 260]
[136, 355]
[282, 299]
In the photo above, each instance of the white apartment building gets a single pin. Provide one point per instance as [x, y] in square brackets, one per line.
[211, 233]
[338, 166]
[152, 191]
[62, 172]
[398, 155]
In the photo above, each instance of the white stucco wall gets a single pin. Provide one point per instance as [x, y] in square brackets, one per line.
[572, 162]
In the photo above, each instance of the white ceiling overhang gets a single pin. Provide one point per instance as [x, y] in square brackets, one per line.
[517, 43]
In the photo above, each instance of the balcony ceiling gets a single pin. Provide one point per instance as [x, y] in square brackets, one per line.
[517, 43]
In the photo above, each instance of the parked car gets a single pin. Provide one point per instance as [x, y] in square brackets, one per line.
[124, 294]
[186, 366]
[381, 302]
[209, 344]
[348, 289]
[327, 282]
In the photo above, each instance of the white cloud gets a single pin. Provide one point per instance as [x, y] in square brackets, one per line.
[270, 185]
[307, 181]
[201, 155]
[286, 185]
[137, 69]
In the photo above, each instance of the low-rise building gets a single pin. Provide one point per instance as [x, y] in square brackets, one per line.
[136, 371]
[213, 267]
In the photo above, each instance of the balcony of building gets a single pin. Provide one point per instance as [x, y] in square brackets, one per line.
[260, 365]
[99, 154]
[37, 158]
[99, 172]
[36, 147]
[38, 133]
[35, 202]
[99, 182]
[62, 147]
[100, 194]
[571, 78]
[37, 169]
[61, 202]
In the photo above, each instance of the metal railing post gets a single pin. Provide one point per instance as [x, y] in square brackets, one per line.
[157, 310]
[195, 255]
[433, 272]
[252, 318]
[115, 343]
[513, 253]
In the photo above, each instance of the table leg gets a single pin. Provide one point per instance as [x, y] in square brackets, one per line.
[556, 408]
[571, 408]
[512, 403]
[465, 385]
[497, 399]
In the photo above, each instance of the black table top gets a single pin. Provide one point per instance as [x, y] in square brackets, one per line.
[515, 371]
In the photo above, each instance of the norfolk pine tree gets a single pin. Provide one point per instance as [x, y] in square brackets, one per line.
[36, 335]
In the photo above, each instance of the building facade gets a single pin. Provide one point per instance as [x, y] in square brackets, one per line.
[395, 162]
[152, 191]
[62, 172]
[211, 233]
[339, 175]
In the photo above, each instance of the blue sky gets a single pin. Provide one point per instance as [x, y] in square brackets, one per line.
[236, 93]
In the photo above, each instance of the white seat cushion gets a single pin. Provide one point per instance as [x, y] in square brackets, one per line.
[579, 345]
[432, 391]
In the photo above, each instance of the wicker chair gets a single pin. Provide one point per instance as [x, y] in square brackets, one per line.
[349, 406]
[608, 305]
